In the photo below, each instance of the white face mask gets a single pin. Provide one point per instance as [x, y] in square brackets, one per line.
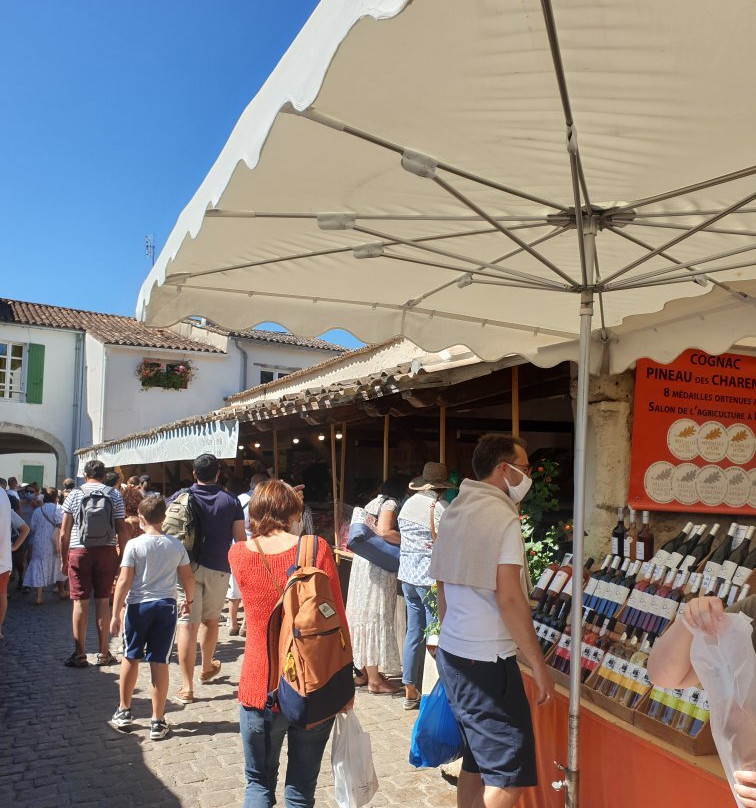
[518, 492]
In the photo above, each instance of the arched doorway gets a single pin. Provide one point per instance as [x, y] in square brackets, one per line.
[31, 454]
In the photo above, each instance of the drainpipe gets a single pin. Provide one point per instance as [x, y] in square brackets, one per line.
[78, 395]
[244, 363]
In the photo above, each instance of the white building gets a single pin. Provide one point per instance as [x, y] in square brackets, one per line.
[69, 379]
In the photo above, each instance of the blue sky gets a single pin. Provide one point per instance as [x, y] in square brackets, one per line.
[112, 115]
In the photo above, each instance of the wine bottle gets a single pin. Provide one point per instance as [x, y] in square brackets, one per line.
[671, 604]
[669, 547]
[636, 687]
[691, 711]
[601, 583]
[737, 556]
[622, 681]
[599, 648]
[701, 550]
[644, 543]
[655, 603]
[546, 576]
[565, 596]
[724, 591]
[686, 548]
[713, 567]
[560, 579]
[631, 535]
[743, 572]
[621, 591]
[672, 706]
[618, 534]
[605, 603]
[744, 590]
[646, 589]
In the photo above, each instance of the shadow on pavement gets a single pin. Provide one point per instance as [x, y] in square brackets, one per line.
[56, 746]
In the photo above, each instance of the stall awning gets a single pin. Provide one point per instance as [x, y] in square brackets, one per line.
[180, 441]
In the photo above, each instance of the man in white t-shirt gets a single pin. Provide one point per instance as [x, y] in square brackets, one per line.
[479, 564]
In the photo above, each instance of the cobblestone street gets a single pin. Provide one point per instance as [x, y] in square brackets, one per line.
[57, 749]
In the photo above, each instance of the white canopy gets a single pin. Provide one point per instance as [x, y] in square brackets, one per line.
[659, 97]
[490, 173]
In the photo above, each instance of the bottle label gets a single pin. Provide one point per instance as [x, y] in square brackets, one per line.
[741, 576]
[661, 558]
[628, 546]
[565, 642]
[673, 561]
[688, 562]
[712, 569]
[590, 587]
[636, 676]
[601, 589]
[728, 570]
[620, 594]
[553, 635]
[559, 580]
[597, 655]
[615, 545]
[672, 697]
[669, 609]
[544, 579]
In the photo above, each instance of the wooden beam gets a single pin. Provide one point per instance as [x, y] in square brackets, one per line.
[334, 487]
[442, 434]
[385, 447]
[342, 473]
[275, 453]
[515, 401]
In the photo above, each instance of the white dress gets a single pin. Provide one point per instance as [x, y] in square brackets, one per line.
[44, 567]
[370, 607]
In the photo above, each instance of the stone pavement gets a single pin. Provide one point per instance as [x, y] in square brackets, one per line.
[57, 749]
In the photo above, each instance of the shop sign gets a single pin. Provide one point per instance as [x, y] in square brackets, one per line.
[694, 440]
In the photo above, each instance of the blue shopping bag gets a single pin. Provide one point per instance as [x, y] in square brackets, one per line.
[435, 736]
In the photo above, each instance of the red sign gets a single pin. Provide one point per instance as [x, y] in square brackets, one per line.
[693, 435]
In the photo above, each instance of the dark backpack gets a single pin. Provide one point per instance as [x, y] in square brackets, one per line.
[182, 521]
[309, 648]
[96, 519]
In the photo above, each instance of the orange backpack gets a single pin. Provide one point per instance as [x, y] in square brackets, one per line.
[309, 650]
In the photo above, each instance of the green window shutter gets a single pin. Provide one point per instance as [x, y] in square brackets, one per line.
[35, 373]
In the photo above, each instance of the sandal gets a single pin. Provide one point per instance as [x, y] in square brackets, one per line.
[411, 704]
[185, 696]
[206, 676]
[77, 661]
[105, 659]
[384, 689]
[233, 632]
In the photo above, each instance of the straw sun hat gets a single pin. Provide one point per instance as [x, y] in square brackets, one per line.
[434, 476]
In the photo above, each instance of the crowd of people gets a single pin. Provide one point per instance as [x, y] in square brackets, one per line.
[243, 550]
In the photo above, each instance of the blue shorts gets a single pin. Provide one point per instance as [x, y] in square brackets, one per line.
[493, 714]
[150, 626]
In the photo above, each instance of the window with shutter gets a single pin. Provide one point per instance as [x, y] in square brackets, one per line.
[35, 373]
[11, 370]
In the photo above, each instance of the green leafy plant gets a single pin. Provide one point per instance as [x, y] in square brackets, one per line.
[174, 376]
[431, 601]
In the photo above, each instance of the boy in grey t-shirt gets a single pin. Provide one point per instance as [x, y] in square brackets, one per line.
[150, 566]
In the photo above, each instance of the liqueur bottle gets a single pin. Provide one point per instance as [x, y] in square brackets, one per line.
[672, 704]
[606, 602]
[743, 572]
[621, 591]
[618, 534]
[592, 582]
[643, 578]
[644, 544]
[565, 596]
[631, 535]
[608, 673]
[672, 600]
[694, 712]
[546, 577]
[655, 602]
[645, 590]
[601, 583]
[636, 687]
[663, 553]
[622, 681]
[713, 568]
[559, 580]
[600, 646]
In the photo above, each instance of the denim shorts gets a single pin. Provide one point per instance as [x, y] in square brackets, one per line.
[493, 714]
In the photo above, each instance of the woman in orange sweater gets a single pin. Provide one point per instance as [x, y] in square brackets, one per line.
[274, 513]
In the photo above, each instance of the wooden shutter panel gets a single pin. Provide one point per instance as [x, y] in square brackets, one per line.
[35, 373]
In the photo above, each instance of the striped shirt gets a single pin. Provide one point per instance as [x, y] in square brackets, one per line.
[72, 505]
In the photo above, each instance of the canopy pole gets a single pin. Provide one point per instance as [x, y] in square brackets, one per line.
[385, 447]
[516, 400]
[334, 488]
[581, 431]
[275, 454]
[342, 472]
[442, 434]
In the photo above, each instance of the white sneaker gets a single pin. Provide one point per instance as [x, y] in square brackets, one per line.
[158, 729]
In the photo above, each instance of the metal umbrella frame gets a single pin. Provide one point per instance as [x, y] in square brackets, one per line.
[455, 246]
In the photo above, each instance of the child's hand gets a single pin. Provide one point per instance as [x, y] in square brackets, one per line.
[115, 625]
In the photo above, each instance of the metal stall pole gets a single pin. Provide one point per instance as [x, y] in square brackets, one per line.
[442, 434]
[275, 453]
[581, 430]
[516, 401]
[342, 471]
[385, 447]
[334, 488]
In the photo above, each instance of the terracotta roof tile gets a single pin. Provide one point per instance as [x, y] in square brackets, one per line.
[111, 329]
[281, 337]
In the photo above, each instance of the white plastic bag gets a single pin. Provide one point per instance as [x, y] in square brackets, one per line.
[354, 777]
[725, 663]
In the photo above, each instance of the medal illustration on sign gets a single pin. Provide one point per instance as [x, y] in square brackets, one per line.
[741, 445]
[657, 481]
[684, 483]
[712, 441]
[682, 439]
[711, 484]
[738, 487]
[752, 497]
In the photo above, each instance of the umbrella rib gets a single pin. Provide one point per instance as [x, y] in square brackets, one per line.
[311, 114]
[646, 246]
[688, 189]
[450, 189]
[670, 226]
[222, 213]
[457, 257]
[632, 217]
[682, 264]
[482, 321]
[338, 250]
[691, 275]
[656, 251]
[555, 232]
